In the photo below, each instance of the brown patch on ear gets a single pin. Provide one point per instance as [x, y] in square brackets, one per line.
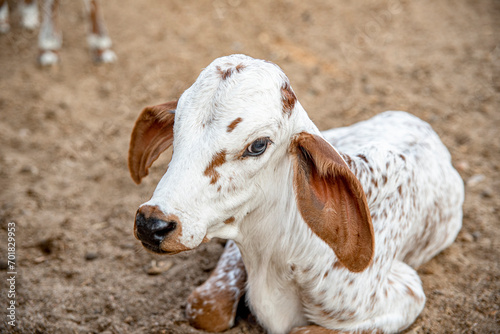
[288, 98]
[229, 220]
[233, 124]
[218, 160]
[152, 134]
[332, 202]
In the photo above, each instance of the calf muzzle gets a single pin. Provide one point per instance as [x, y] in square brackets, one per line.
[153, 228]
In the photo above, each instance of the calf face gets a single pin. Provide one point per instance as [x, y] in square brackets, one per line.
[228, 131]
[242, 142]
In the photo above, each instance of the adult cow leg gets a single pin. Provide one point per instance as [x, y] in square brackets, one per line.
[98, 38]
[50, 36]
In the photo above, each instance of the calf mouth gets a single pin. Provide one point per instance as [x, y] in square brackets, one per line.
[153, 248]
[156, 249]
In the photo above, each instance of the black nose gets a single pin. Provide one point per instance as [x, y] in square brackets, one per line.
[152, 230]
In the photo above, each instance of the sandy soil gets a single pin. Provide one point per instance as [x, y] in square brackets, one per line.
[64, 136]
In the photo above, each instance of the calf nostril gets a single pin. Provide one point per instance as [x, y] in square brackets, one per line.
[152, 230]
[160, 229]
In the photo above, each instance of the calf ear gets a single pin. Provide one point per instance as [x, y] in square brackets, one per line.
[153, 133]
[331, 201]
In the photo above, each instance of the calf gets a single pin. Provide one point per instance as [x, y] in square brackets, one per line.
[329, 226]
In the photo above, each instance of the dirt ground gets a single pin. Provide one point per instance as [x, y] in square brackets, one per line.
[64, 136]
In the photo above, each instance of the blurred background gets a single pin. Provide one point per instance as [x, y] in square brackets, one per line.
[64, 133]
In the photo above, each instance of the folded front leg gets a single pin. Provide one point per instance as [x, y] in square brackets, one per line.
[212, 306]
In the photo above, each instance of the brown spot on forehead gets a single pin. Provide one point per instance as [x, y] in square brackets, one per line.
[288, 98]
[229, 220]
[239, 67]
[229, 71]
[218, 160]
[233, 124]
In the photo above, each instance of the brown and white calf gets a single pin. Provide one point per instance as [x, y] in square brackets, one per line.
[329, 226]
[50, 35]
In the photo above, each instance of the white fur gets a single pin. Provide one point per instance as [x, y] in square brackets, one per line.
[285, 261]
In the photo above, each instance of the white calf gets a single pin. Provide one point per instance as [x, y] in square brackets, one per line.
[329, 239]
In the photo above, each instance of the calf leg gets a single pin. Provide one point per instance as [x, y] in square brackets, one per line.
[397, 302]
[212, 306]
[391, 306]
[50, 36]
[98, 38]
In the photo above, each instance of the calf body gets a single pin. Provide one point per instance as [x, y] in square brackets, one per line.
[329, 235]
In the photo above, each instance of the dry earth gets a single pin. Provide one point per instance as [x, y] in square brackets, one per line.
[64, 136]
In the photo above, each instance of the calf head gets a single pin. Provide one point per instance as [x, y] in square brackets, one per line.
[235, 133]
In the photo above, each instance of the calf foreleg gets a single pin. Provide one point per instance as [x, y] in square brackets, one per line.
[212, 306]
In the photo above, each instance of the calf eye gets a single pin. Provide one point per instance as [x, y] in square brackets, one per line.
[257, 148]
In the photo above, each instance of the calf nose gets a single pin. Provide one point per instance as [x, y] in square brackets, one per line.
[152, 227]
